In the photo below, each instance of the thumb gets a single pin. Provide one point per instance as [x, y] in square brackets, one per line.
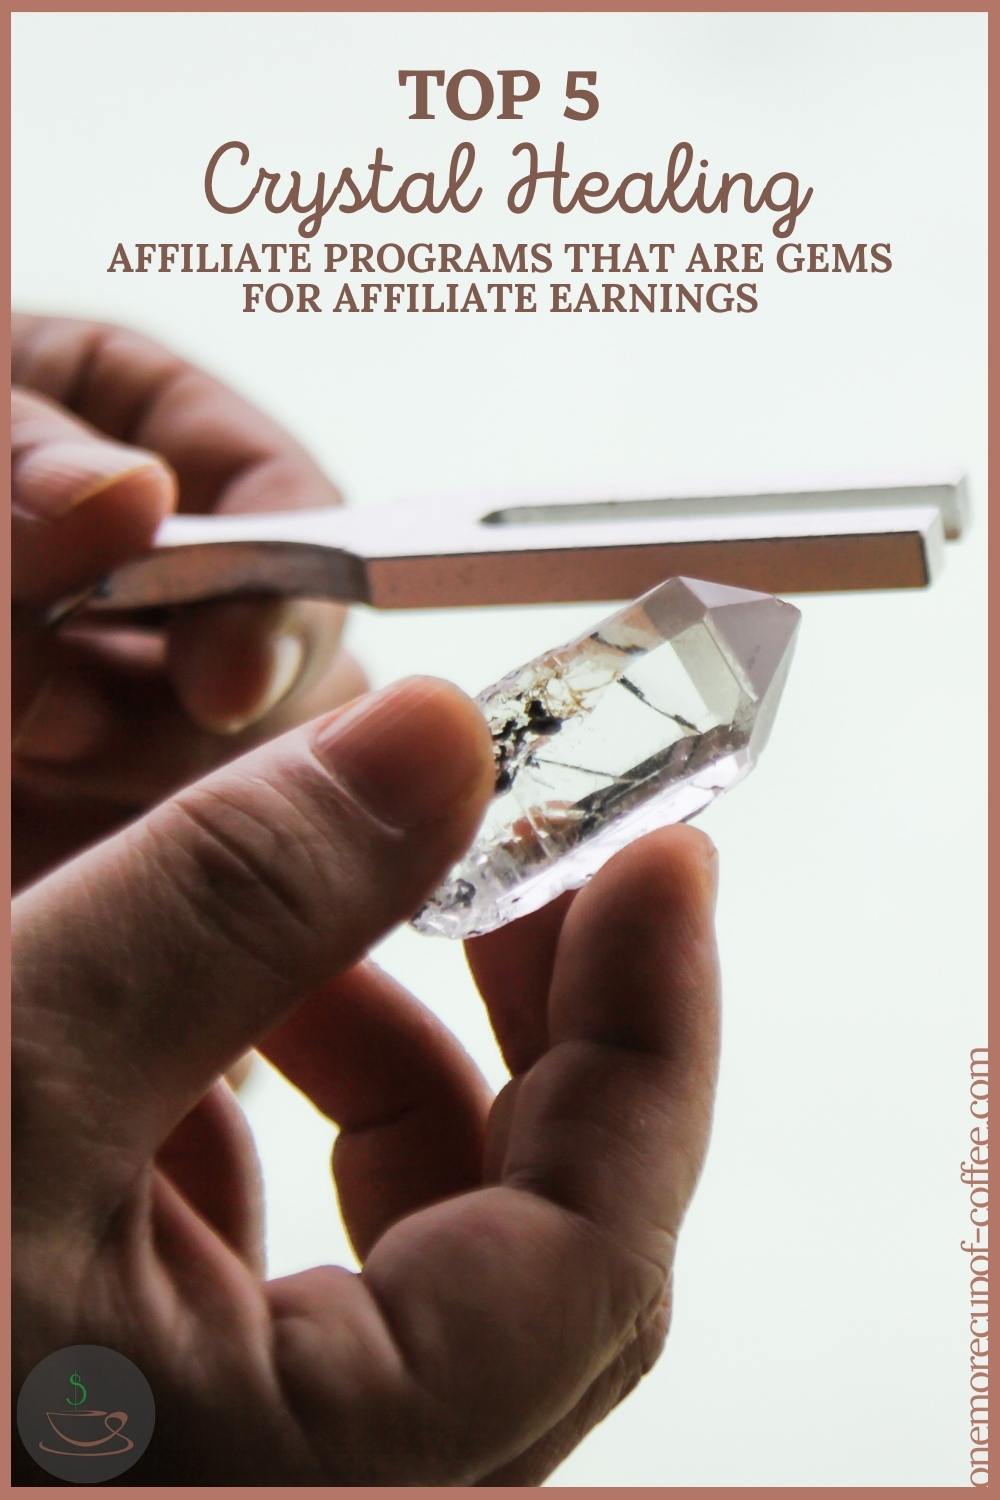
[146, 966]
[80, 502]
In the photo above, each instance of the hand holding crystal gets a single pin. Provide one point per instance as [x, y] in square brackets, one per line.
[515, 1253]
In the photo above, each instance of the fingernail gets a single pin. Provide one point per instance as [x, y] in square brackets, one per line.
[287, 654]
[712, 871]
[410, 754]
[54, 478]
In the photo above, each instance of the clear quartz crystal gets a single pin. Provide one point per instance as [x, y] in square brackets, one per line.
[643, 721]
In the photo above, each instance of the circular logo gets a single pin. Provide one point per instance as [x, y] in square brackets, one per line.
[86, 1414]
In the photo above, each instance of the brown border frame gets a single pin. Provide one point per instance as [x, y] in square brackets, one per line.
[437, 6]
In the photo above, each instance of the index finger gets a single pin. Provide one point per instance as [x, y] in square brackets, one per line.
[227, 455]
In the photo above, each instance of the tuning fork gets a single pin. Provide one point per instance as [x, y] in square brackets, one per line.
[433, 555]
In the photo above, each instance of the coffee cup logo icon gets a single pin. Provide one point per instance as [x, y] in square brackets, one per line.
[88, 1434]
[78, 1437]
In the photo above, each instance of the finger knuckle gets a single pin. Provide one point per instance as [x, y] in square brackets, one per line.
[249, 866]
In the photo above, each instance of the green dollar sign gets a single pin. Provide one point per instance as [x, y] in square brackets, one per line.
[78, 1385]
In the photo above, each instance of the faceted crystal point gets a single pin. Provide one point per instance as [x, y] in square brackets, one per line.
[640, 722]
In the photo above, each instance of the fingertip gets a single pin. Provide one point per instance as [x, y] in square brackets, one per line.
[452, 724]
[666, 866]
[127, 507]
[53, 478]
[70, 527]
[415, 753]
[638, 963]
[233, 663]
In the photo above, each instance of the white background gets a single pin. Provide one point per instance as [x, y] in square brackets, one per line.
[821, 1326]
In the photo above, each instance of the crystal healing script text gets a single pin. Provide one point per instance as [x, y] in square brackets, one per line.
[551, 178]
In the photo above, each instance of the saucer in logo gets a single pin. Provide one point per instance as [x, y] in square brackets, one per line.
[86, 1413]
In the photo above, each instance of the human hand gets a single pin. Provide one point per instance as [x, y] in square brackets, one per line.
[516, 1256]
[109, 433]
